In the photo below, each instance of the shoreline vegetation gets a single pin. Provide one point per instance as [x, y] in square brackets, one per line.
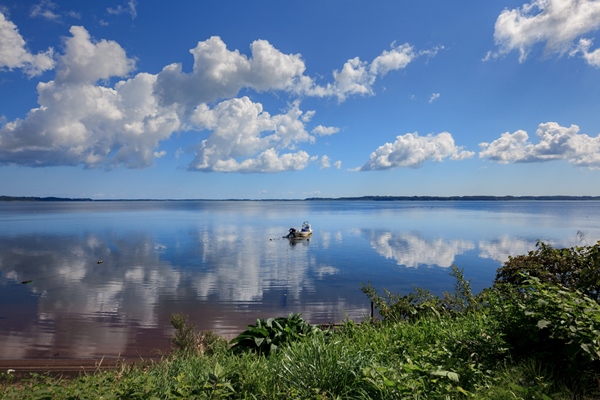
[361, 198]
[534, 334]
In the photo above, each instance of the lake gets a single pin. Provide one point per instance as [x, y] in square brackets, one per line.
[93, 279]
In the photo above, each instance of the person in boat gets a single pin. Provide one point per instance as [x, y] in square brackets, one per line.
[292, 233]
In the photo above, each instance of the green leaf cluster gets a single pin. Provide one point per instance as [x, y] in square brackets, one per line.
[421, 302]
[186, 340]
[548, 319]
[574, 268]
[266, 336]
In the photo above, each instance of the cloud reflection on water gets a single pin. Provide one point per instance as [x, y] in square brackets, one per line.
[227, 265]
[412, 250]
[84, 308]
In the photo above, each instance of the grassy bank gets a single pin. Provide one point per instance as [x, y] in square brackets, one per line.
[525, 338]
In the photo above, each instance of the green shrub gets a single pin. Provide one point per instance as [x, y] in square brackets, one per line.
[397, 307]
[186, 341]
[576, 268]
[542, 317]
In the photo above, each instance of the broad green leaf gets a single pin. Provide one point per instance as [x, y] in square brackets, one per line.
[542, 323]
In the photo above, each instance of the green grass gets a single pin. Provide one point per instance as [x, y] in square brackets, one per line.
[431, 357]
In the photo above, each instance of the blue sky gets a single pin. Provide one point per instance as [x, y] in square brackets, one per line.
[278, 99]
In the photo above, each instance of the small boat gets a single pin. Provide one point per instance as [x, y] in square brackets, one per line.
[304, 232]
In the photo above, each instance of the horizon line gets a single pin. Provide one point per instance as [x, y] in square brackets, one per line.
[346, 198]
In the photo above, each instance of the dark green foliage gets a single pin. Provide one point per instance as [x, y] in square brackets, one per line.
[575, 268]
[211, 343]
[266, 336]
[462, 300]
[541, 317]
[396, 307]
[185, 339]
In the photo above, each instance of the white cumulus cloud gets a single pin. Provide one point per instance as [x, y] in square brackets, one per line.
[412, 150]
[555, 143]
[557, 23]
[14, 54]
[80, 123]
[87, 62]
[244, 138]
[82, 120]
[220, 73]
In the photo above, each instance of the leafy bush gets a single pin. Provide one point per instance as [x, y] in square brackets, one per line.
[186, 341]
[266, 336]
[397, 307]
[542, 317]
[551, 326]
[576, 268]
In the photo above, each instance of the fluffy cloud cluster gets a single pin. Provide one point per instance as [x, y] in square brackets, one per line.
[14, 54]
[555, 143]
[220, 73]
[240, 130]
[81, 120]
[557, 23]
[86, 62]
[80, 123]
[412, 150]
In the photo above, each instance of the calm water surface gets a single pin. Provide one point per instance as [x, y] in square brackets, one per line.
[226, 264]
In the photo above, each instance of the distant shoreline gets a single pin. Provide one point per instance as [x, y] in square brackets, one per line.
[362, 198]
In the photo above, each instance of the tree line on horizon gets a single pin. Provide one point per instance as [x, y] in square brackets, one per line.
[359, 198]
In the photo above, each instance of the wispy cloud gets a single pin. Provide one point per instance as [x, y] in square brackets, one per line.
[321, 130]
[129, 8]
[433, 97]
[45, 9]
[325, 162]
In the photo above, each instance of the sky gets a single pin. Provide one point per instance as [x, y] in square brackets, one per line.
[274, 99]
